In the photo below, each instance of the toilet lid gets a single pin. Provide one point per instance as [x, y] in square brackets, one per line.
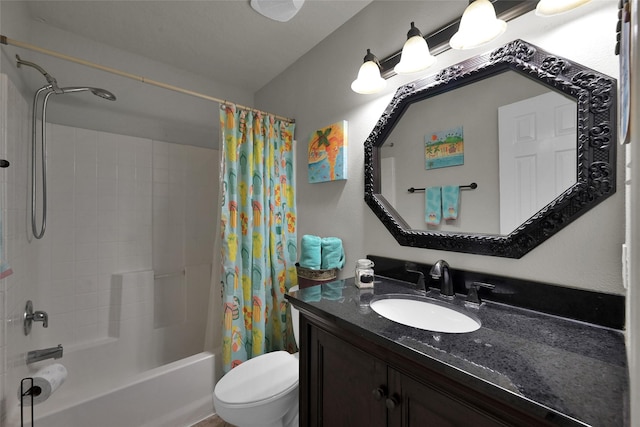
[259, 378]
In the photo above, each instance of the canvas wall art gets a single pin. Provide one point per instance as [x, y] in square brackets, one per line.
[327, 155]
[444, 149]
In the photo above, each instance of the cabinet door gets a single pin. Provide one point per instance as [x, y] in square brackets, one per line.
[417, 404]
[342, 383]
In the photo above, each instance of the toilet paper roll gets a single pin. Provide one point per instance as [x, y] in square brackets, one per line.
[45, 382]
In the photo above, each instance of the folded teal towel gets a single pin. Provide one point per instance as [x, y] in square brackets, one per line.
[332, 253]
[310, 252]
[450, 201]
[433, 205]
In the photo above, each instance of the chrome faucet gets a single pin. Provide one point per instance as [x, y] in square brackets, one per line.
[29, 316]
[45, 353]
[440, 271]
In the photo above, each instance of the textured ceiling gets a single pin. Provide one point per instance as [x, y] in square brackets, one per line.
[223, 40]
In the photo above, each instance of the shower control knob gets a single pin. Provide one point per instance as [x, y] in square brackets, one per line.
[4, 163]
[31, 316]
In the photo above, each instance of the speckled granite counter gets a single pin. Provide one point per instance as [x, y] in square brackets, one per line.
[569, 372]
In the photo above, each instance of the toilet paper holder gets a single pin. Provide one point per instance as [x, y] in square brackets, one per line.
[24, 393]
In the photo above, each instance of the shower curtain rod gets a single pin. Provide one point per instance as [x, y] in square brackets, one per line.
[8, 41]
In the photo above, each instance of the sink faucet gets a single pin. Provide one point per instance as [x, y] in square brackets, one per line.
[440, 271]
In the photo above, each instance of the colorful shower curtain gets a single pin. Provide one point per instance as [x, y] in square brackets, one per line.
[258, 226]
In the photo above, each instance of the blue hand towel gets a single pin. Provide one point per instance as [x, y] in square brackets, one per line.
[332, 253]
[310, 252]
[450, 201]
[433, 205]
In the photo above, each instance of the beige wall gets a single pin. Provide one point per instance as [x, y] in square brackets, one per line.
[315, 91]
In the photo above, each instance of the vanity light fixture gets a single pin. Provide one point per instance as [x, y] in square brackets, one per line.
[478, 26]
[438, 41]
[369, 79]
[415, 55]
[556, 7]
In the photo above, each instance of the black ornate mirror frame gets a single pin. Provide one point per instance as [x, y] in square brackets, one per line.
[595, 95]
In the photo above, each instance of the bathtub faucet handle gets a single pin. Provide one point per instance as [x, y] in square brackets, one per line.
[31, 316]
[41, 316]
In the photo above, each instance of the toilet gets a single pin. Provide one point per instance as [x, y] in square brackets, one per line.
[263, 391]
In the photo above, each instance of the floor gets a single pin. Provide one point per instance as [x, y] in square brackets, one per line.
[213, 421]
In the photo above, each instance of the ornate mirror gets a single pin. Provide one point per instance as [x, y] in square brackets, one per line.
[528, 139]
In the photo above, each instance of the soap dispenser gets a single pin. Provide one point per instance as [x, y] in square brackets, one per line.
[364, 273]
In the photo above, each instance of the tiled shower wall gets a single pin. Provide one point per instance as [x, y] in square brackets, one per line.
[116, 204]
[13, 199]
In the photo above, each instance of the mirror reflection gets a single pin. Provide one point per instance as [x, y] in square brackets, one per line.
[510, 134]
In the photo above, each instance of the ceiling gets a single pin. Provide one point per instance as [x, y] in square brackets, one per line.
[223, 40]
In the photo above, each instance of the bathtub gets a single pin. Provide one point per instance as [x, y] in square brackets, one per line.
[178, 394]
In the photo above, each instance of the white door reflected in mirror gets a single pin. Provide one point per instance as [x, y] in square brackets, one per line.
[537, 140]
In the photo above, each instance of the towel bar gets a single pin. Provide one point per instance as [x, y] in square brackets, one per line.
[471, 186]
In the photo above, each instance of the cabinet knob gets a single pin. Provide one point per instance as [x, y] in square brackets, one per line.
[392, 402]
[380, 392]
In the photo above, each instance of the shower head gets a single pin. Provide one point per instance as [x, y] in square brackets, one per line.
[102, 93]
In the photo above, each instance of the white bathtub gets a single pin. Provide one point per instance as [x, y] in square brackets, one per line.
[178, 394]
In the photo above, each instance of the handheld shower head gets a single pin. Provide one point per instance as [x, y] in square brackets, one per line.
[102, 93]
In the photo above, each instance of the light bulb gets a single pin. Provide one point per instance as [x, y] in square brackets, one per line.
[415, 54]
[556, 7]
[478, 26]
[369, 79]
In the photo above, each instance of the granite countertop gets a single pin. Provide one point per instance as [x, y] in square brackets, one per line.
[571, 373]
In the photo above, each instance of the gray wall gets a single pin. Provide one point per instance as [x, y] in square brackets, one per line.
[316, 92]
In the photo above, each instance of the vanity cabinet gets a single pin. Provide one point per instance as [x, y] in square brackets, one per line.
[347, 380]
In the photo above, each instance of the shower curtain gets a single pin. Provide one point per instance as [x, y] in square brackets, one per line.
[258, 227]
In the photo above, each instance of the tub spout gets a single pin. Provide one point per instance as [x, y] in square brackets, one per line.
[45, 353]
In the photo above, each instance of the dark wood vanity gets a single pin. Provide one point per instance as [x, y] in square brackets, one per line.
[521, 368]
[348, 381]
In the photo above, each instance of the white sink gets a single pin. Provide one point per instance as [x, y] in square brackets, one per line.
[424, 313]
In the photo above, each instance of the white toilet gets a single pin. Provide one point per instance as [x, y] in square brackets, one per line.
[263, 391]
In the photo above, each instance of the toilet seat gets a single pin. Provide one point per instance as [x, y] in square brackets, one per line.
[259, 380]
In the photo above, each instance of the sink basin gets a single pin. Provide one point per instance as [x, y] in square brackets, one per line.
[424, 313]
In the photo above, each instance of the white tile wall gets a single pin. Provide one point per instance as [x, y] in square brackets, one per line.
[14, 288]
[117, 204]
[99, 224]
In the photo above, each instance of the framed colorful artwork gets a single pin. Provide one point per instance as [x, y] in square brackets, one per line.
[444, 149]
[327, 155]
